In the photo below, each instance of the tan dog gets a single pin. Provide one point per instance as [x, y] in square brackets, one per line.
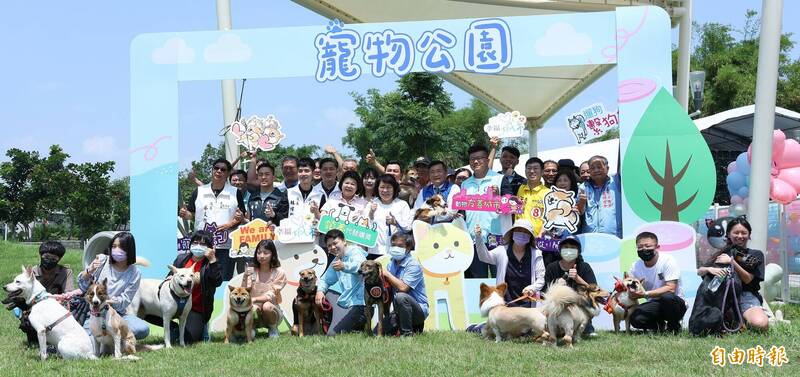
[241, 316]
[436, 209]
[109, 329]
[509, 322]
[568, 311]
[309, 315]
[377, 291]
[621, 303]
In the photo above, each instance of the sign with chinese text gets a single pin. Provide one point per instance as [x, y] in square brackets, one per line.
[592, 122]
[506, 125]
[245, 238]
[354, 232]
[488, 202]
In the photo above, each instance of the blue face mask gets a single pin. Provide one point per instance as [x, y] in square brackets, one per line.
[397, 253]
[198, 251]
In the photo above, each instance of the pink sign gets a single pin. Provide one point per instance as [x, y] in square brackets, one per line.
[488, 202]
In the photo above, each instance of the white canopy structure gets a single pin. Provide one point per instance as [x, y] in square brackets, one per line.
[732, 130]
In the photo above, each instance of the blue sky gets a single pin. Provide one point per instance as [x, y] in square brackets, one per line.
[65, 76]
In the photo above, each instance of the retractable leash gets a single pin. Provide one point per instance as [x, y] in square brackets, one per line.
[523, 297]
[728, 284]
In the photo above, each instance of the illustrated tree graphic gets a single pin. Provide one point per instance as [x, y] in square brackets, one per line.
[668, 172]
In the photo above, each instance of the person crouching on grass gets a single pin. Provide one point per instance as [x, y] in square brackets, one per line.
[265, 279]
[344, 271]
[404, 274]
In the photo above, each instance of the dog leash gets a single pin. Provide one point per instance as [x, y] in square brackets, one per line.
[730, 283]
[523, 297]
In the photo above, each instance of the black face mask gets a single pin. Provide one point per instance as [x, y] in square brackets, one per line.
[646, 254]
[49, 262]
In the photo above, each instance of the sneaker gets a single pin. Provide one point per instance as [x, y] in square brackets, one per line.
[273, 332]
[592, 334]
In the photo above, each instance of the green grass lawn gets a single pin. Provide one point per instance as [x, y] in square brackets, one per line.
[431, 354]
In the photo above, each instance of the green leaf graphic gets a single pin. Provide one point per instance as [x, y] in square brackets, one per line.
[668, 172]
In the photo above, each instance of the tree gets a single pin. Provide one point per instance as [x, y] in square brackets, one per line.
[120, 196]
[415, 120]
[20, 198]
[88, 203]
[47, 180]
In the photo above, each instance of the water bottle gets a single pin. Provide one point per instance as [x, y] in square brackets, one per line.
[716, 282]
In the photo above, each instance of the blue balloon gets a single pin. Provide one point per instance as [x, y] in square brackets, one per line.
[735, 181]
[744, 192]
[742, 165]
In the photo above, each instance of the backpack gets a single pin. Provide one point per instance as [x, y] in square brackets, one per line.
[707, 316]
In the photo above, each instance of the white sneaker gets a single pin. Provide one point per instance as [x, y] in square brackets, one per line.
[273, 332]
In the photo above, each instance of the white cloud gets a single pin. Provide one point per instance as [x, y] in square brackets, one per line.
[227, 49]
[561, 39]
[99, 146]
[174, 51]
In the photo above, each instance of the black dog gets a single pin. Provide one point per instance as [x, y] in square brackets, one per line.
[376, 292]
[17, 301]
[308, 316]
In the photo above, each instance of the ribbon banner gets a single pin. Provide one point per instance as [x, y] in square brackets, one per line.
[488, 202]
[245, 238]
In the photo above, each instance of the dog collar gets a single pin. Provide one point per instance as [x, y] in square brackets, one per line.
[41, 296]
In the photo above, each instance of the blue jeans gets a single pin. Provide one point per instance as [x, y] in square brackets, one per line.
[138, 326]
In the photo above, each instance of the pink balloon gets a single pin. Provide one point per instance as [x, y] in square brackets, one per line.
[790, 176]
[778, 139]
[736, 199]
[782, 192]
[732, 167]
[790, 156]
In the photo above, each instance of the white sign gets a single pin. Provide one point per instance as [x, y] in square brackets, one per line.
[506, 125]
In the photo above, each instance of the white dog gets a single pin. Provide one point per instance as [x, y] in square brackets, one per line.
[167, 299]
[53, 323]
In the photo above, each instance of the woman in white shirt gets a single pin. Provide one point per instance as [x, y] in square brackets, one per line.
[389, 213]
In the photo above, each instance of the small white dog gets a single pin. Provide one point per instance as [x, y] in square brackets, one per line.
[53, 323]
[167, 299]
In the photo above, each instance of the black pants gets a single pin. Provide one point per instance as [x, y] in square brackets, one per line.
[195, 324]
[407, 316]
[478, 269]
[353, 321]
[225, 263]
[651, 315]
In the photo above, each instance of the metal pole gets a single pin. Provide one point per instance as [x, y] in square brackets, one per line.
[684, 52]
[532, 147]
[764, 121]
[228, 86]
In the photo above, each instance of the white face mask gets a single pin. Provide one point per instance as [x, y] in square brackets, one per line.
[397, 252]
[569, 254]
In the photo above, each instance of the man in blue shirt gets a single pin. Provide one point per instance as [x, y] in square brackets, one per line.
[342, 275]
[404, 273]
[600, 200]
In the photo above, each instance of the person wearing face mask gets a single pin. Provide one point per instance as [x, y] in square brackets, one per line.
[749, 268]
[404, 274]
[202, 259]
[519, 263]
[572, 268]
[55, 278]
[665, 306]
[123, 279]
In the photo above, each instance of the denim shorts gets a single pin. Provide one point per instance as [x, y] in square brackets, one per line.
[748, 300]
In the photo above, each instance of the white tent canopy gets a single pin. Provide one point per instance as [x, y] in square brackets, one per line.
[732, 130]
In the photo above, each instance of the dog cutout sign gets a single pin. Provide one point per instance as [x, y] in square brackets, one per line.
[560, 211]
[592, 122]
[257, 133]
[488, 202]
[246, 237]
[506, 125]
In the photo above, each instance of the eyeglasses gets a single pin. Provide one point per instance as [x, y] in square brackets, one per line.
[220, 168]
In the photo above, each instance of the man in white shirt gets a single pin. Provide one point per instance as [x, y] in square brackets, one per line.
[329, 169]
[665, 306]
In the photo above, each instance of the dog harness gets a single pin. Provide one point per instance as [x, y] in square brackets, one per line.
[242, 318]
[381, 291]
[100, 313]
[44, 296]
[181, 301]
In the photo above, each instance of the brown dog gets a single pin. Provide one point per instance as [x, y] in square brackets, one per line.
[509, 322]
[241, 315]
[109, 329]
[568, 311]
[376, 292]
[621, 304]
[308, 315]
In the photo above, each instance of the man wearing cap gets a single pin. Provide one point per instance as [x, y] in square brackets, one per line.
[519, 263]
[572, 268]
[422, 166]
[509, 158]
[439, 185]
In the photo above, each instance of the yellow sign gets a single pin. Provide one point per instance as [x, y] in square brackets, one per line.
[246, 237]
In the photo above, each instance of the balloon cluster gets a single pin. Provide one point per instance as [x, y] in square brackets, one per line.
[784, 174]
